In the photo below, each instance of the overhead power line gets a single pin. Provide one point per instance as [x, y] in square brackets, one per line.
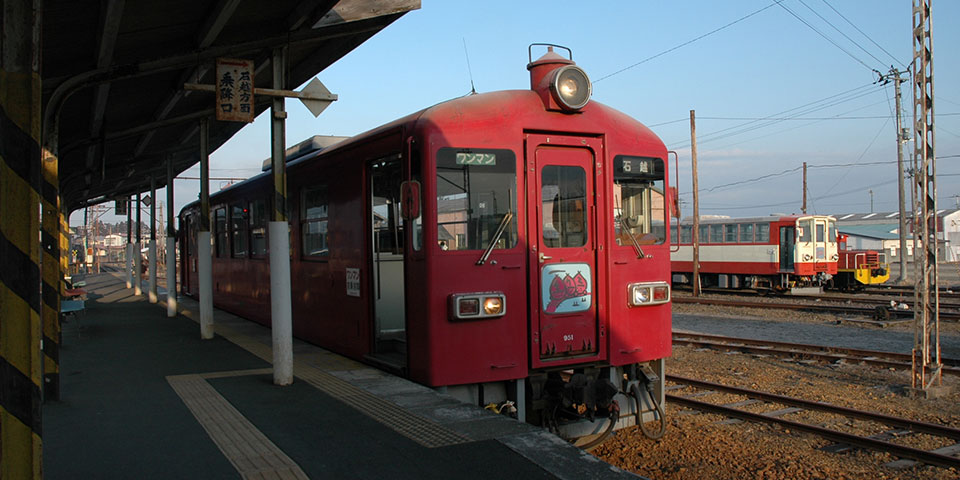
[798, 17]
[840, 32]
[865, 35]
[688, 42]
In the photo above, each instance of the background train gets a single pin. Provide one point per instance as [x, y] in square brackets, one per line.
[858, 268]
[504, 247]
[789, 253]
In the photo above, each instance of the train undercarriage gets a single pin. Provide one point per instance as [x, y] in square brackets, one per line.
[582, 405]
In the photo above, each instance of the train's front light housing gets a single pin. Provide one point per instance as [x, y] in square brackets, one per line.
[648, 293]
[571, 87]
[469, 306]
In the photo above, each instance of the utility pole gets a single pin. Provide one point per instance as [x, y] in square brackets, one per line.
[927, 368]
[871, 200]
[696, 206]
[804, 207]
[902, 137]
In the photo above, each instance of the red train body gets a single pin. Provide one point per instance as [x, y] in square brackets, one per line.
[786, 253]
[487, 245]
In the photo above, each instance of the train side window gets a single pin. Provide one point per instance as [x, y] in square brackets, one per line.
[238, 230]
[746, 233]
[220, 229]
[804, 231]
[704, 234]
[730, 233]
[475, 191]
[686, 234]
[673, 234]
[313, 222]
[716, 233]
[639, 200]
[763, 233]
[258, 226]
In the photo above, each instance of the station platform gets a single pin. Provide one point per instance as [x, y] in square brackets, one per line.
[142, 396]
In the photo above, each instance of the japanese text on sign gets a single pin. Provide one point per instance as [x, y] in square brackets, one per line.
[234, 90]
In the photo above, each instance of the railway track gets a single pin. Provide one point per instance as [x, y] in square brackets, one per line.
[757, 400]
[805, 351]
[883, 312]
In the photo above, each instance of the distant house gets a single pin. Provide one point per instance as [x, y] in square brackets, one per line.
[881, 230]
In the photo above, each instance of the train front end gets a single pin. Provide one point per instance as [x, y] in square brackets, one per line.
[546, 260]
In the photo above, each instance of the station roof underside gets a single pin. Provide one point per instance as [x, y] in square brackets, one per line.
[113, 73]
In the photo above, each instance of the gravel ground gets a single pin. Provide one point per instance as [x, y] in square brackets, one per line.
[697, 446]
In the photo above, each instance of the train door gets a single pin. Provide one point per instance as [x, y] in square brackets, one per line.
[788, 248]
[387, 259]
[563, 243]
[189, 266]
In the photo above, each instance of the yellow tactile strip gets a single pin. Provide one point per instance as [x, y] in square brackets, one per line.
[250, 451]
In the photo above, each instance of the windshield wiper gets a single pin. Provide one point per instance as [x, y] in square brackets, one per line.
[633, 238]
[496, 237]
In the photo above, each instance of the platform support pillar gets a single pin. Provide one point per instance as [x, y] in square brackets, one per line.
[204, 255]
[280, 296]
[171, 247]
[137, 257]
[152, 255]
[129, 244]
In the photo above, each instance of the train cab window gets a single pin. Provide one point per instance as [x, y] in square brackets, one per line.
[220, 229]
[746, 233]
[564, 206]
[716, 233]
[804, 233]
[686, 234]
[313, 221]
[639, 209]
[730, 233]
[763, 233]
[238, 231]
[821, 235]
[832, 231]
[258, 226]
[476, 190]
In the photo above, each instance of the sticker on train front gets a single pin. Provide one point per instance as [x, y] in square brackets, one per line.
[566, 287]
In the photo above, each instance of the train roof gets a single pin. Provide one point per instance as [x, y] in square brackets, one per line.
[771, 218]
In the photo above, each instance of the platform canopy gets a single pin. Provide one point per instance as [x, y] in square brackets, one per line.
[113, 74]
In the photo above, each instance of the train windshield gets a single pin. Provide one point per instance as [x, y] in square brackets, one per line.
[476, 189]
[638, 200]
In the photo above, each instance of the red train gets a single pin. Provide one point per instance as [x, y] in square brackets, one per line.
[789, 253]
[505, 247]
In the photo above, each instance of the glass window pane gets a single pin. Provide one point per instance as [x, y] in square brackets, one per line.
[238, 230]
[716, 233]
[564, 191]
[820, 232]
[806, 232]
[673, 234]
[475, 191]
[704, 234]
[763, 233]
[258, 224]
[313, 224]
[832, 236]
[730, 233]
[686, 234]
[220, 229]
[638, 200]
[746, 233]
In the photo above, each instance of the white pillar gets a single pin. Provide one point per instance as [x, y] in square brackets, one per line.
[129, 264]
[137, 265]
[171, 277]
[152, 252]
[281, 318]
[205, 261]
[152, 270]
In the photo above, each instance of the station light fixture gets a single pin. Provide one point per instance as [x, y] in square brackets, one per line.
[470, 306]
[649, 293]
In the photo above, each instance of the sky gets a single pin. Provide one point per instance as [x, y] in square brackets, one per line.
[773, 85]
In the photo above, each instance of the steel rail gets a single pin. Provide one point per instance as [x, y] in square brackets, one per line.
[872, 357]
[875, 312]
[837, 436]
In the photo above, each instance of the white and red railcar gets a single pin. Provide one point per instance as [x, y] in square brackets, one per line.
[505, 246]
[783, 253]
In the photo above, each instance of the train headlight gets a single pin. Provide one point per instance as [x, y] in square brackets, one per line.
[468, 306]
[571, 87]
[807, 257]
[651, 293]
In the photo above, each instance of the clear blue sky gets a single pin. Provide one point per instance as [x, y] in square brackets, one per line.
[764, 66]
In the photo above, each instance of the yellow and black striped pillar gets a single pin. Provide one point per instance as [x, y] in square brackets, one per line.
[20, 294]
[50, 270]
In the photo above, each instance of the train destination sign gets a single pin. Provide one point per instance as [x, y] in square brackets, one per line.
[234, 90]
[476, 158]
